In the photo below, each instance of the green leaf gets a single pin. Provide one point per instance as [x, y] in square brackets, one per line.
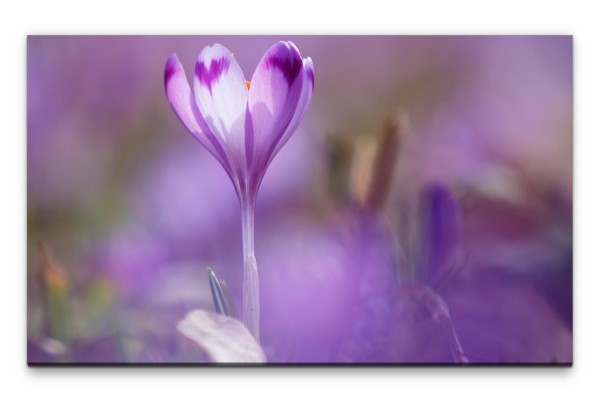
[219, 299]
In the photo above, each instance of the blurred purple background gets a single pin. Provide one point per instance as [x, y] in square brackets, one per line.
[428, 190]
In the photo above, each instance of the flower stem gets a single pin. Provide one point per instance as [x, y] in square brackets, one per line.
[251, 304]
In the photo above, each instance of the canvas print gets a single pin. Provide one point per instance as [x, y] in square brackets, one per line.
[291, 200]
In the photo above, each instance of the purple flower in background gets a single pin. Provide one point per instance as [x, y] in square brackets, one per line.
[243, 124]
[440, 232]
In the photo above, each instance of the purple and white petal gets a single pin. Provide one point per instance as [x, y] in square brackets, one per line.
[221, 95]
[273, 98]
[183, 103]
[305, 97]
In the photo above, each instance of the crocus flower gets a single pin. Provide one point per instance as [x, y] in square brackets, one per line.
[243, 124]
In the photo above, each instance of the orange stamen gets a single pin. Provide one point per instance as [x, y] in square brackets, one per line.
[248, 84]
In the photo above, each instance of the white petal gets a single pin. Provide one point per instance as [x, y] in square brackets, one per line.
[224, 338]
[274, 94]
[183, 103]
[221, 95]
[305, 98]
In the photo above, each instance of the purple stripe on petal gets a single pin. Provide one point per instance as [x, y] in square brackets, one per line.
[249, 131]
[207, 76]
[303, 102]
[273, 98]
[222, 95]
[289, 66]
[183, 103]
[277, 138]
[171, 69]
[243, 193]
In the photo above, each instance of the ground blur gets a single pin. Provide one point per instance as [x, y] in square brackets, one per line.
[428, 191]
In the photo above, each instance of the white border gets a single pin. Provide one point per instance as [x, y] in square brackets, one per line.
[21, 18]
